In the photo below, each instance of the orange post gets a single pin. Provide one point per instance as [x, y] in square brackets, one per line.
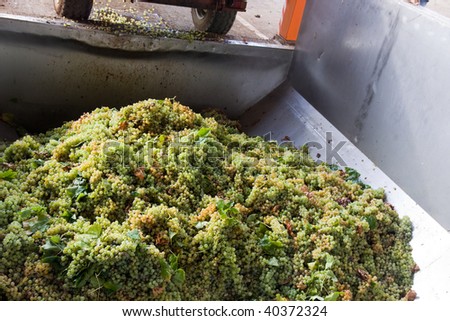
[291, 19]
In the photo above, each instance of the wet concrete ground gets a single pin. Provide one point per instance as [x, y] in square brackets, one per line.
[440, 6]
[260, 22]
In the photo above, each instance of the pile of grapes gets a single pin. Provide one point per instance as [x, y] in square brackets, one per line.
[156, 202]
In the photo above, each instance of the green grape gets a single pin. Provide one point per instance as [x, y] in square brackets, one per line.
[156, 202]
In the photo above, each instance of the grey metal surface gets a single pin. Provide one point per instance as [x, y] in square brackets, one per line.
[379, 71]
[7, 132]
[285, 112]
[50, 73]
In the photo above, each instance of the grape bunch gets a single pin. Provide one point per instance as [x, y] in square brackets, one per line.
[156, 202]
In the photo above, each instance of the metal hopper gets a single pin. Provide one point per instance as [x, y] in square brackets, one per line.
[364, 86]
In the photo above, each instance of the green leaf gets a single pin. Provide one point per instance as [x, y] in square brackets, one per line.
[179, 277]
[80, 181]
[333, 167]
[81, 196]
[54, 259]
[333, 296]
[83, 241]
[38, 223]
[316, 298]
[26, 214]
[274, 262]
[55, 239]
[8, 175]
[202, 135]
[172, 234]
[72, 190]
[84, 276]
[222, 208]
[329, 261]
[29, 212]
[166, 271]
[223, 215]
[111, 286]
[173, 261]
[96, 282]
[269, 245]
[51, 251]
[134, 235]
[226, 208]
[233, 210]
[252, 218]
[262, 229]
[35, 163]
[95, 230]
[79, 189]
[372, 220]
[354, 176]
[203, 132]
[68, 216]
[329, 274]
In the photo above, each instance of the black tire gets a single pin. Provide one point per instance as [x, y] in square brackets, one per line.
[73, 9]
[213, 21]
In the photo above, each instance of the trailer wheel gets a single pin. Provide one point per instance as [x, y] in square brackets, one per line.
[213, 21]
[73, 9]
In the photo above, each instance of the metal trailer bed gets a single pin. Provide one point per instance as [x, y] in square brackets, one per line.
[375, 84]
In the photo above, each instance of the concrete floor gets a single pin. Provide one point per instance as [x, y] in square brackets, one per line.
[260, 22]
[440, 6]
